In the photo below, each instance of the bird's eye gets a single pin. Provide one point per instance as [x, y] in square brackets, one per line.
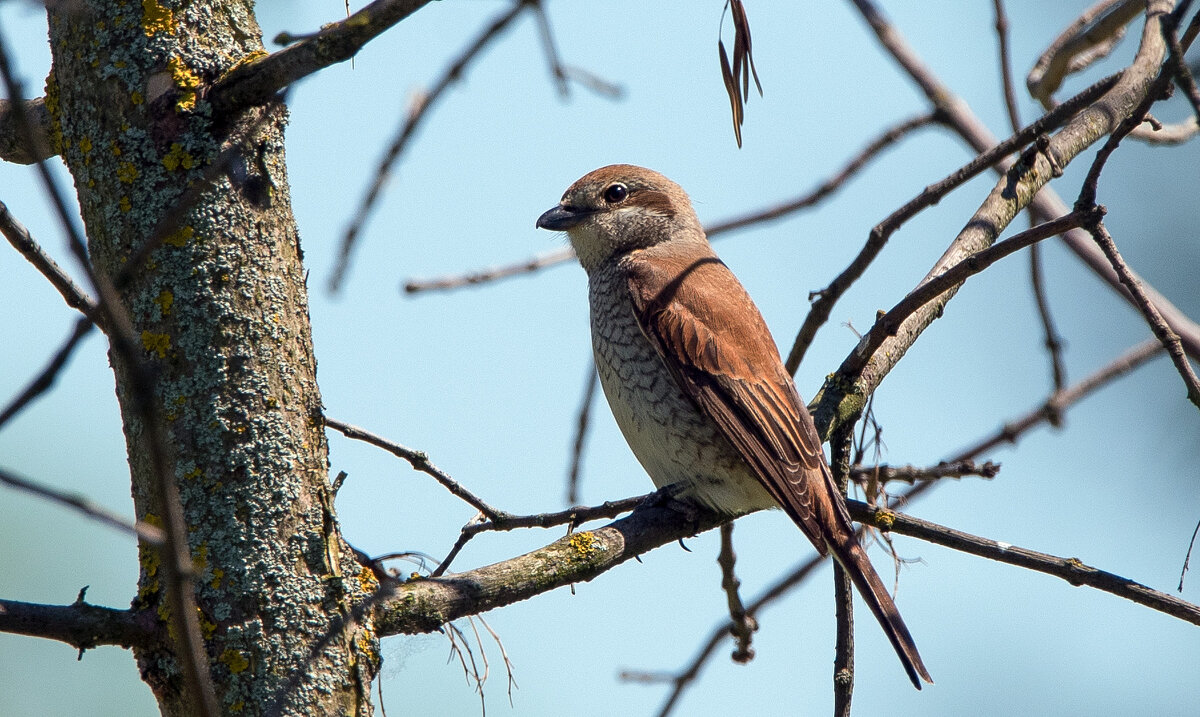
[616, 193]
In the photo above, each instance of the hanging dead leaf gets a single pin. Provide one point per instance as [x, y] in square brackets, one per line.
[737, 74]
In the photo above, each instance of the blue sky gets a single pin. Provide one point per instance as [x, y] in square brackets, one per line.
[487, 379]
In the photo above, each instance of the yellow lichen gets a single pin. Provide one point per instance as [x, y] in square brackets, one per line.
[126, 172]
[124, 204]
[235, 660]
[136, 97]
[156, 18]
[367, 580]
[177, 157]
[208, 628]
[217, 575]
[181, 236]
[186, 81]
[156, 343]
[884, 519]
[85, 145]
[200, 558]
[116, 148]
[164, 300]
[257, 54]
[583, 543]
[194, 473]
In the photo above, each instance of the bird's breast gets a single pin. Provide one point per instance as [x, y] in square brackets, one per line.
[672, 439]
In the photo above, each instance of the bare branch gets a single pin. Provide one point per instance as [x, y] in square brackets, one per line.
[1091, 37]
[581, 430]
[1070, 569]
[1160, 327]
[257, 80]
[419, 461]
[913, 474]
[45, 379]
[14, 146]
[416, 114]
[844, 393]
[994, 153]
[151, 534]
[22, 241]
[79, 624]
[765, 214]
[741, 626]
[888, 325]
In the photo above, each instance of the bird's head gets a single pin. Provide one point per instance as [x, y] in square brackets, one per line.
[616, 209]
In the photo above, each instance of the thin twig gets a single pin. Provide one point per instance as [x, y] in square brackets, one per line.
[259, 80]
[826, 298]
[841, 445]
[765, 214]
[416, 114]
[419, 461]
[1162, 330]
[1187, 558]
[581, 430]
[1052, 341]
[23, 241]
[153, 535]
[741, 626]
[1072, 570]
[45, 379]
[912, 474]
[888, 324]
[1060, 401]
[1091, 37]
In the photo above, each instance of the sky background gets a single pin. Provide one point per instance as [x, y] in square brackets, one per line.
[488, 379]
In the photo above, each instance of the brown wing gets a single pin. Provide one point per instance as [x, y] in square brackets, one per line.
[716, 343]
[712, 338]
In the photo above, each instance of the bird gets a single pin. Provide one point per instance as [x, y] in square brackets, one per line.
[694, 378]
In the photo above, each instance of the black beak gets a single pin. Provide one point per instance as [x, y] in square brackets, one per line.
[560, 218]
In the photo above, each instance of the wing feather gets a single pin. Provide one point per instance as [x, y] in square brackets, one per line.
[717, 346]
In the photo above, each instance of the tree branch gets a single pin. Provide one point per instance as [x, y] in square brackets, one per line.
[1070, 569]
[79, 624]
[764, 214]
[844, 393]
[16, 148]
[258, 80]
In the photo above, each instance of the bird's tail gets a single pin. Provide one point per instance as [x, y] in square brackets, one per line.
[849, 553]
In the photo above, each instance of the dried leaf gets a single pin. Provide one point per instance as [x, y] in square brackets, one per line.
[741, 27]
[735, 100]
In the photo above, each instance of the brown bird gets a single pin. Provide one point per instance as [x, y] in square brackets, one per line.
[693, 376]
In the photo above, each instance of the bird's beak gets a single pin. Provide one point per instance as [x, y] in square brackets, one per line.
[560, 218]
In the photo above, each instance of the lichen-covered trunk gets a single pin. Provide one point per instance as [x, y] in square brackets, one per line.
[220, 311]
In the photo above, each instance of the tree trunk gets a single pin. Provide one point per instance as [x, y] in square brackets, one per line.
[220, 312]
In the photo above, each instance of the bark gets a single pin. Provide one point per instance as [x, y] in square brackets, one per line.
[220, 311]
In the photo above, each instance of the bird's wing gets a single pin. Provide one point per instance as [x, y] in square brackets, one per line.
[716, 344]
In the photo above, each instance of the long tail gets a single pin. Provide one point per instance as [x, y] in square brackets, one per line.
[854, 559]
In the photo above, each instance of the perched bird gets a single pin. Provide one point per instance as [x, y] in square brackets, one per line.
[693, 376]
